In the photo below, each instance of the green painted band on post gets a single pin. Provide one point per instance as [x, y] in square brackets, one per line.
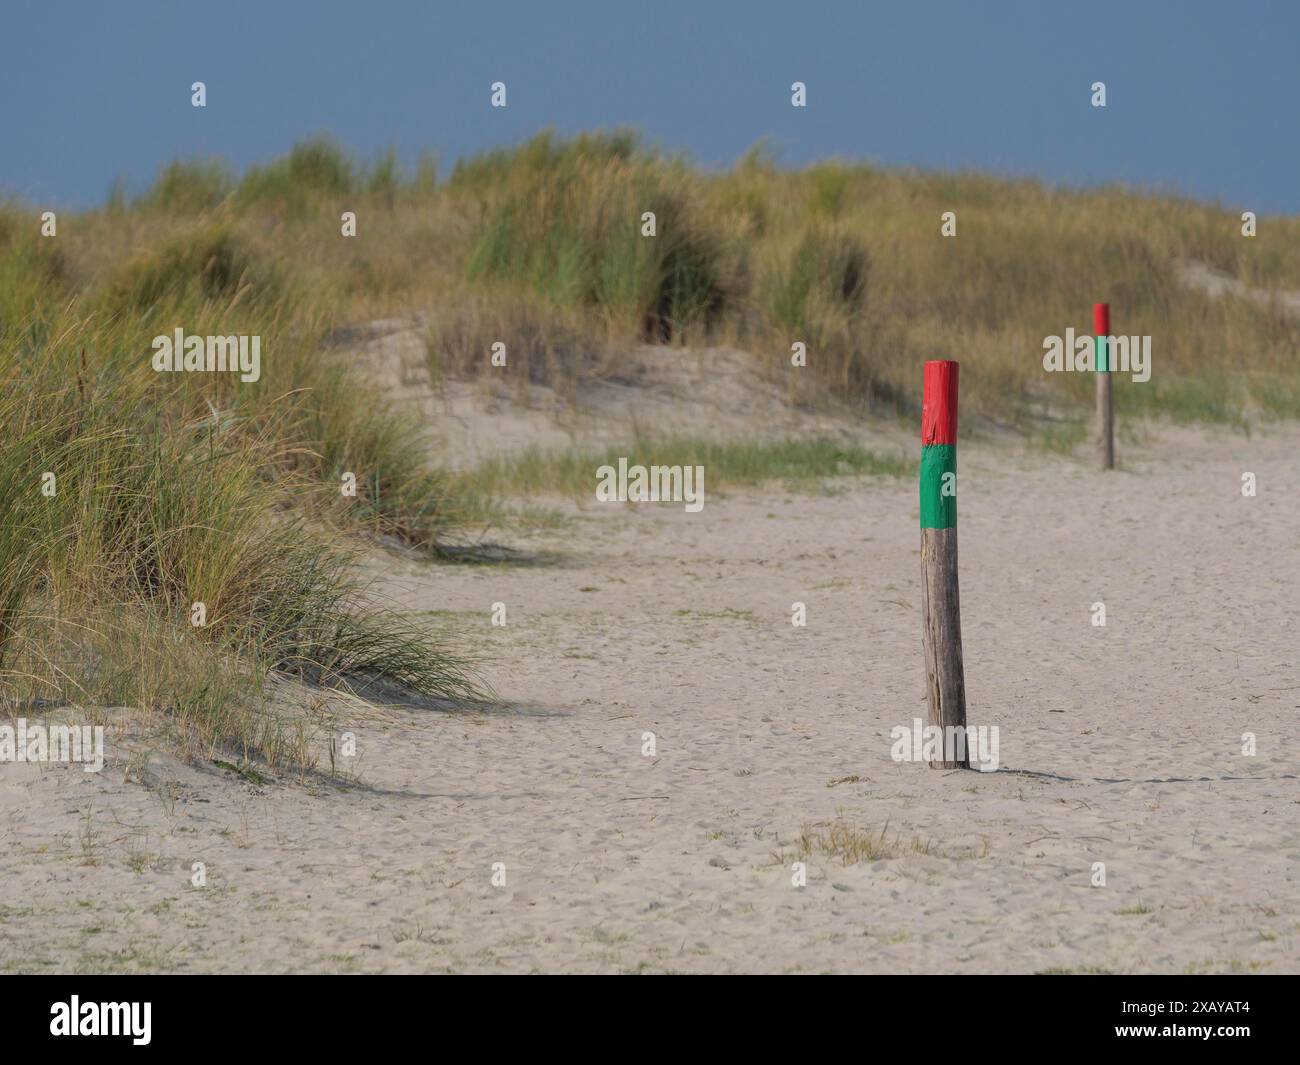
[938, 511]
[1103, 355]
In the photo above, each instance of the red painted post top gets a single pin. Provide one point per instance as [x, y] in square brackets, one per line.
[939, 403]
[1101, 319]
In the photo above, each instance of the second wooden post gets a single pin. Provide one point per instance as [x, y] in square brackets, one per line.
[940, 604]
[1105, 401]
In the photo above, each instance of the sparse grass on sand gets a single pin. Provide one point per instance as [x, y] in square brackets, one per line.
[796, 462]
[846, 843]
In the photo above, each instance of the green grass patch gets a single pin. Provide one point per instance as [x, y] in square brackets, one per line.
[1060, 437]
[797, 462]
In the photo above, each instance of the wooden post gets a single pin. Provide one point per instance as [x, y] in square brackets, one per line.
[940, 608]
[1105, 402]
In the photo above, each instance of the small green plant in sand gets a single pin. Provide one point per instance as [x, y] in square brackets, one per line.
[846, 843]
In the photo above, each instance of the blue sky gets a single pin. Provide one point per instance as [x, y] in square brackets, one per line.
[1203, 98]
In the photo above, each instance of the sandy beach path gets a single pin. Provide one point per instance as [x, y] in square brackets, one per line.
[1120, 745]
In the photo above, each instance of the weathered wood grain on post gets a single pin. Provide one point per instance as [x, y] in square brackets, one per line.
[940, 602]
[941, 617]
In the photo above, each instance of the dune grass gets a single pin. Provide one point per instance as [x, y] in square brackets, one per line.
[169, 541]
[540, 247]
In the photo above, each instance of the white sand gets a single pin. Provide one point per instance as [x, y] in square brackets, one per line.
[1119, 745]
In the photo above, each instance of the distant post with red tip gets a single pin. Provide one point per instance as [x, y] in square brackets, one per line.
[940, 605]
[1105, 402]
